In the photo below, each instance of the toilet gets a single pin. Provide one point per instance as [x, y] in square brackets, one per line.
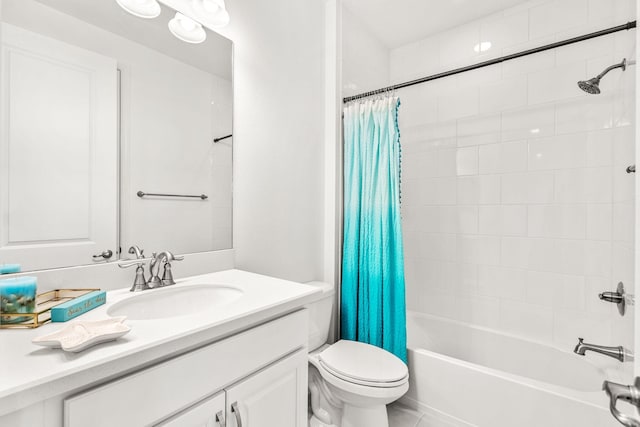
[350, 383]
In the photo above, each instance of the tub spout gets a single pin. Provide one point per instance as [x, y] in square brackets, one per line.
[620, 353]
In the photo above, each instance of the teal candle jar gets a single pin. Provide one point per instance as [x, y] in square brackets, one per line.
[17, 296]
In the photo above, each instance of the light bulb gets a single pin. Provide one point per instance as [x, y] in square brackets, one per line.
[187, 23]
[147, 9]
[186, 29]
[210, 6]
[212, 12]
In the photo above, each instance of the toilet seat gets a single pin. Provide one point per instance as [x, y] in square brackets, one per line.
[363, 364]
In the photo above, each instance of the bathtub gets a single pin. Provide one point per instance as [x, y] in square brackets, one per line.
[463, 375]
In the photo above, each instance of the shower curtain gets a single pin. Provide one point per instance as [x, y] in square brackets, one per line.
[373, 288]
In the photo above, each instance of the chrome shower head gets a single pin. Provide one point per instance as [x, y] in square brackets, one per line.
[592, 86]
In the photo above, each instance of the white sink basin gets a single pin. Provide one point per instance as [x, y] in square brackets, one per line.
[175, 302]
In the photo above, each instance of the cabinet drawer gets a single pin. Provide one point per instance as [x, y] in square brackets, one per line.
[155, 393]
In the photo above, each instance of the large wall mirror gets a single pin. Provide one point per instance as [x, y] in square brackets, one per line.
[97, 107]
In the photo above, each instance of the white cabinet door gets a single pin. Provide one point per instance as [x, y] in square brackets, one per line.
[275, 396]
[208, 413]
[58, 151]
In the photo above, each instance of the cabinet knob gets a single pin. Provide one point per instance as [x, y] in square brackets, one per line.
[236, 413]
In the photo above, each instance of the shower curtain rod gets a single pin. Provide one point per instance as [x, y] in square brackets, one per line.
[627, 26]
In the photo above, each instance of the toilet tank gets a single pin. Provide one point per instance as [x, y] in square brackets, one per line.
[320, 315]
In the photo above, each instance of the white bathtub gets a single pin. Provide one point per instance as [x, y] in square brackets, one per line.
[470, 376]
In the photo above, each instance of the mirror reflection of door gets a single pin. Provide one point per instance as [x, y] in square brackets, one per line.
[58, 188]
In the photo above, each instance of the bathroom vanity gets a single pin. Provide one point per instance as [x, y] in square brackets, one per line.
[243, 361]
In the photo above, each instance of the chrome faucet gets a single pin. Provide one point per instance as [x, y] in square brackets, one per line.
[154, 269]
[139, 283]
[620, 353]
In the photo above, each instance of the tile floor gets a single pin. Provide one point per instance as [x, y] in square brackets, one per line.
[403, 416]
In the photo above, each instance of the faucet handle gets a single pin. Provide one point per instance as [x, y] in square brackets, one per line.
[627, 393]
[140, 282]
[138, 263]
[167, 276]
[135, 250]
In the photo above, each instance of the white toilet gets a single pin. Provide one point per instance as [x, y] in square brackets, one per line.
[350, 383]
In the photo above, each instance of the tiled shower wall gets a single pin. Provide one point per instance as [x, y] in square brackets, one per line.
[517, 209]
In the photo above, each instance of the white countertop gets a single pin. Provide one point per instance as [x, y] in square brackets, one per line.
[29, 373]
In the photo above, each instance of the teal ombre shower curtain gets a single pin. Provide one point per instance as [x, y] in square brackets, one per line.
[373, 289]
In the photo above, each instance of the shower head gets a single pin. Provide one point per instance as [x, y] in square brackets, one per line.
[592, 86]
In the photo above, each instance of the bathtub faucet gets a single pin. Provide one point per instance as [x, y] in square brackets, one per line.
[620, 353]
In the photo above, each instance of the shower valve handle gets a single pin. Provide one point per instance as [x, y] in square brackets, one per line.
[628, 393]
[618, 297]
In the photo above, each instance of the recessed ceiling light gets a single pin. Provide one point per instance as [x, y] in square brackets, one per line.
[482, 47]
[186, 29]
[141, 8]
[535, 130]
[213, 12]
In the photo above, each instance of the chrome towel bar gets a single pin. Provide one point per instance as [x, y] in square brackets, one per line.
[142, 194]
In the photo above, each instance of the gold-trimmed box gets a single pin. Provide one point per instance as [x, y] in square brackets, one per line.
[44, 303]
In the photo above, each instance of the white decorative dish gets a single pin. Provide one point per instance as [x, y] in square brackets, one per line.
[79, 335]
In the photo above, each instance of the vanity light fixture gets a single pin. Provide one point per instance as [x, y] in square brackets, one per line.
[186, 29]
[213, 12]
[147, 9]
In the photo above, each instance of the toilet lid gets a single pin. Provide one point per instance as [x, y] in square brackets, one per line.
[363, 364]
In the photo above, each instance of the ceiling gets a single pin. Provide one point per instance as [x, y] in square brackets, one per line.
[398, 22]
[213, 56]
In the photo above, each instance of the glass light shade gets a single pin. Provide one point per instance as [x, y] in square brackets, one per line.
[147, 9]
[213, 12]
[186, 29]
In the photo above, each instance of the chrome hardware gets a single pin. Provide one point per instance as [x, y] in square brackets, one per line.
[135, 250]
[620, 353]
[154, 269]
[142, 194]
[167, 276]
[236, 413]
[617, 298]
[631, 169]
[139, 283]
[103, 256]
[630, 394]
[220, 419]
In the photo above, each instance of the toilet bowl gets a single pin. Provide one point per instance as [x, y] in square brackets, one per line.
[350, 383]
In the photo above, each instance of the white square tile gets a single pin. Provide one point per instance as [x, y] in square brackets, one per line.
[515, 252]
[559, 152]
[479, 310]
[468, 219]
[490, 219]
[531, 122]
[467, 161]
[509, 93]
[599, 221]
[478, 249]
[447, 162]
[502, 282]
[527, 320]
[556, 84]
[505, 30]
[533, 187]
[458, 104]
[557, 221]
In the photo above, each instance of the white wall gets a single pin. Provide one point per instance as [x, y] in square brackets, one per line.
[517, 208]
[278, 136]
[365, 59]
